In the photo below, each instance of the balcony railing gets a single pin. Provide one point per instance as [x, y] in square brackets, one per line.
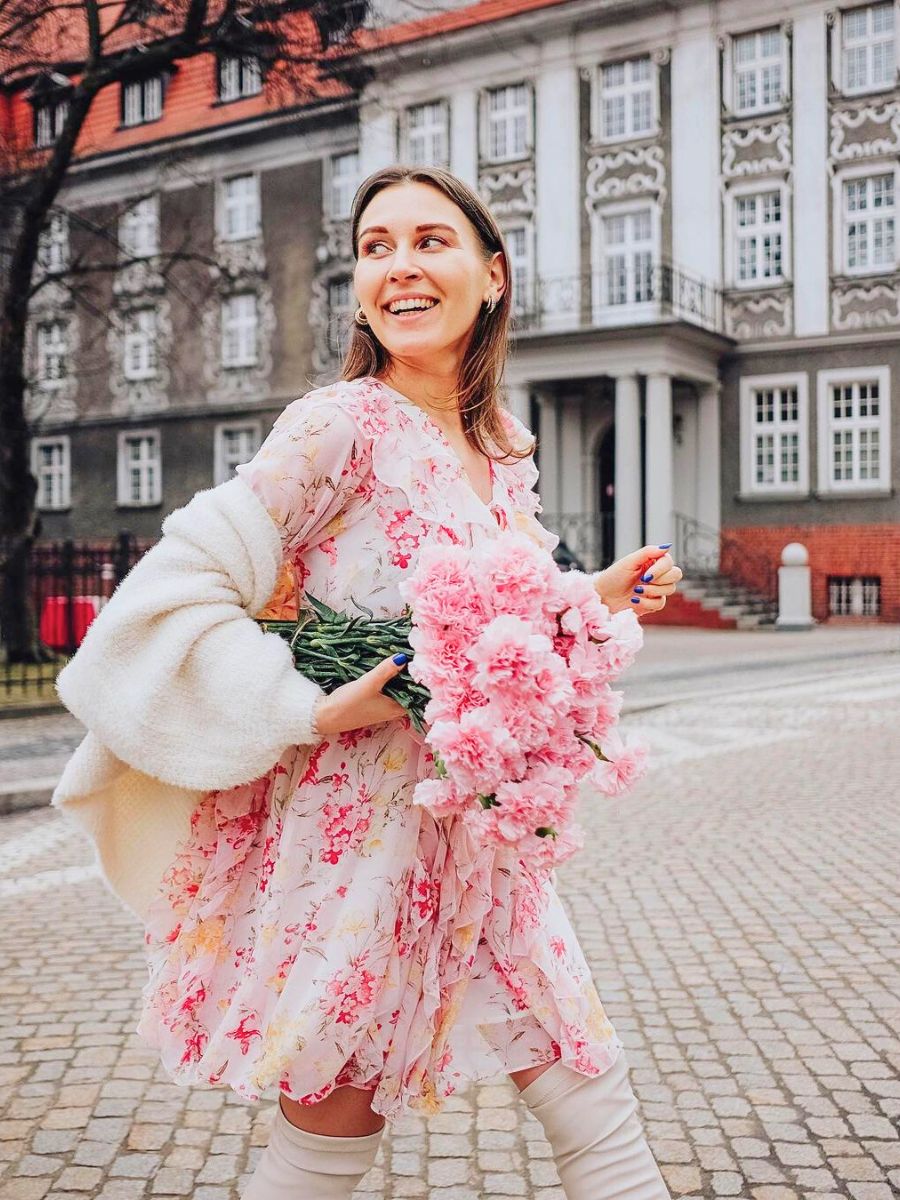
[604, 299]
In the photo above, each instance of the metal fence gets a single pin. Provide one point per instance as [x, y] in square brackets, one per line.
[66, 585]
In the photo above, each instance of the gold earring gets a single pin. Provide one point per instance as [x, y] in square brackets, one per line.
[360, 317]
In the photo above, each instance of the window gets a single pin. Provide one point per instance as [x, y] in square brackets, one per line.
[774, 445]
[234, 443]
[139, 468]
[868, 50]
[627, 99]
[518, 245]
[239, 325]
[757, 62]
[758, 237]
[49, 118]
[506, 131]
[868, 208]
[854, 596]
[340, 310]
[53, 247]
[627, 257]
[240, 207]
[142, 100]
[139, 229]
[50, 467]
[427, 134]
[854, 430]
[139, 360]
[342, 176]
[52, 354]
[239, 75]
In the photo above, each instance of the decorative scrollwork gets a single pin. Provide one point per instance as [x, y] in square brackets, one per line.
[644, 174]
[865, 304]
[741, 156]
[845, 122]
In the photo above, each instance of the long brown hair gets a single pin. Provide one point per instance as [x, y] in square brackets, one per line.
[478, 389]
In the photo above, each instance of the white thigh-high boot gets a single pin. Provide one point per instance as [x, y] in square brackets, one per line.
[595, 1133]
[298, 1165]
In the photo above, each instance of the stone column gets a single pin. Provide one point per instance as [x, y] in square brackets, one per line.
[464, 136]
[709, 510]
[377, 136]
[628, 466]
[557, 164]
[519, 397]
[660, 521]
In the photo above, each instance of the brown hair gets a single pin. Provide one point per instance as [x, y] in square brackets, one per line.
[478, 389]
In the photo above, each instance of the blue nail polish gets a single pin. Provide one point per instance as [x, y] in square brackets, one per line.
[646, 578]
[638, 588]
[400, 659]
[635, 599]
[665, 545]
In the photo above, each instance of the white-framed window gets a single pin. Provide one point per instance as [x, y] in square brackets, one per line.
[774, 434]
[139, 228]
[51, 467]
[139, 474]
[52, 347]
[854, 429]
[53, 246]
[49, 118]
[757, 247]
[341, 182]
[234, 442]
[854, 595]
[340, 312]
[239, 330]
[506, 123]
[240, 207]
[757, 75]
[142, 100]
[239, 75]
[868, 48]
[628, 245]
[520, 249]
[139, 352]
[427, 134]
[627, 104]
[865, 204]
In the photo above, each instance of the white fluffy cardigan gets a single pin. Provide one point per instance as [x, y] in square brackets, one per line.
[179, 690]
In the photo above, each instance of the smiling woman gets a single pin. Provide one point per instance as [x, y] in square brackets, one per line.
[307, 926]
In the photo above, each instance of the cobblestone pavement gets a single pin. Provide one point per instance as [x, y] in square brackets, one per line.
[741, 915]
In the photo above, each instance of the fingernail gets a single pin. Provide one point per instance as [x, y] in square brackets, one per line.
[665, 545]
[646, 578]
[635, 599]
[638, 588]
[400, 659]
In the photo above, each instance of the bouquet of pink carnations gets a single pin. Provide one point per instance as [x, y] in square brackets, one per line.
[517, 657]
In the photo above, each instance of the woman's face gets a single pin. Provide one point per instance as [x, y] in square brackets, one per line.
[415, 243]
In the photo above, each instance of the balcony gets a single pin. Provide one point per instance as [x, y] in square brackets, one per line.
[651, 294]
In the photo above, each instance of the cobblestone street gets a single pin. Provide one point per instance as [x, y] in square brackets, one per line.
[740, 911]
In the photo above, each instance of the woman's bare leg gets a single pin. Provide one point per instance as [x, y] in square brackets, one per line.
[346, 1112]
[522, 1078]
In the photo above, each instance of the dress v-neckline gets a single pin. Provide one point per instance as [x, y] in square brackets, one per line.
[437, 432]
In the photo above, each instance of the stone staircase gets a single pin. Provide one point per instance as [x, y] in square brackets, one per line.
[729, 604]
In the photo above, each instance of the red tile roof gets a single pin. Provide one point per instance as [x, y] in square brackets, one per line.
[483, 12]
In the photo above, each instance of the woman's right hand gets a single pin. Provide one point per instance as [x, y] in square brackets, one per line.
[360, 702]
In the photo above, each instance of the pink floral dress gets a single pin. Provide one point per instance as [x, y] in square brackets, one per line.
[317, 929]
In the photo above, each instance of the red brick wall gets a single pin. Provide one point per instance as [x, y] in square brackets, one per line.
[833, 550]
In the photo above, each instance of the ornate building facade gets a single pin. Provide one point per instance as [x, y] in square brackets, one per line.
[699, 203]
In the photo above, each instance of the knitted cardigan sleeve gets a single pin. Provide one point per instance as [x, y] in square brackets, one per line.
[172, 676]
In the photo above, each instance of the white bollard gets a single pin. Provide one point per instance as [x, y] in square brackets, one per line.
[794, 590]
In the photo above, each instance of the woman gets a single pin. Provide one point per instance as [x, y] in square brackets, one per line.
[315, 930]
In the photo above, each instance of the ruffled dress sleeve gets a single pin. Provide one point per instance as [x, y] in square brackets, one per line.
[308, 471]
[524, 476]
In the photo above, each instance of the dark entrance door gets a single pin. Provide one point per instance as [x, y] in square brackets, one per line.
[605, 535]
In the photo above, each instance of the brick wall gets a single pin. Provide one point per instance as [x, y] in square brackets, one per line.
[833, 550]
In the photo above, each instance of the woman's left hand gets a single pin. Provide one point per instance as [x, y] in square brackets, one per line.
[642, 581]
